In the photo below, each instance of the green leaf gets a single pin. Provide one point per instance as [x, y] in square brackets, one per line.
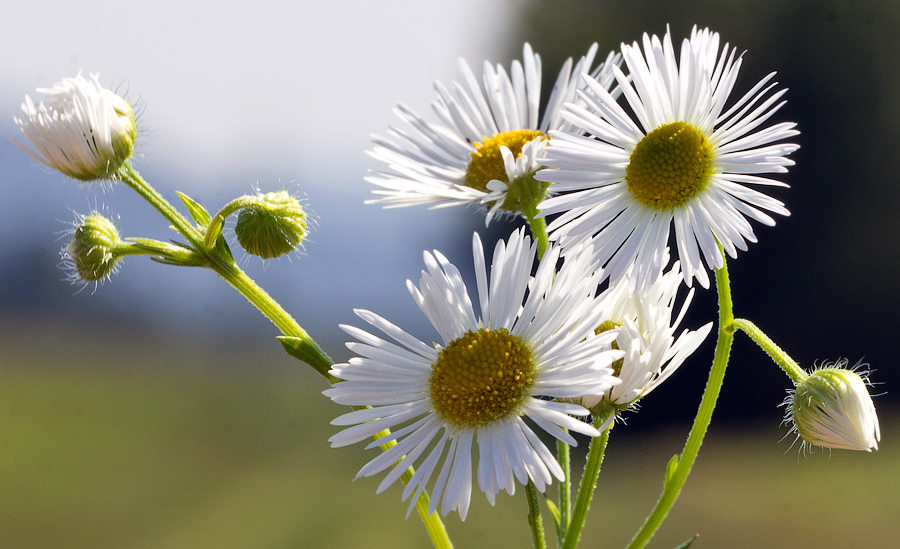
[198, 212]
[689, 542]
[308, 352]
[671, 467]
[554, 512]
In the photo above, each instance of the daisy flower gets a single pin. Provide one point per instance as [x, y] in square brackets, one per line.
[81, 129]
[485, 147]
[685, 160]
[533, 341]
[647, 336]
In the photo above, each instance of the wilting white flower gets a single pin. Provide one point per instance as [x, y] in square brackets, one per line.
[647, 336]
[80, 129]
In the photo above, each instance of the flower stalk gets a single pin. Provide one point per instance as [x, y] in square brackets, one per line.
[565, 491]
[220, 261]
[782, 359]
[588, 484]
[534, 516]
[680, 466]
[538, 226]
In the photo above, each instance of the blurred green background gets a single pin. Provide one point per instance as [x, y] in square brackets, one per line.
[111, 439]
[158, 411]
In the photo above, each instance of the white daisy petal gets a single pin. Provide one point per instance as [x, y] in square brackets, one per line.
[421, 477]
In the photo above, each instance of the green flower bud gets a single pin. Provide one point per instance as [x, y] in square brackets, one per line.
[832, 408]
[272, 225]
[80, 128]
[92, 251]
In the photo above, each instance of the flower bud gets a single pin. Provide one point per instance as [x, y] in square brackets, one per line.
[272, 225]
[92, 251]
[80, 128]
[832, 408]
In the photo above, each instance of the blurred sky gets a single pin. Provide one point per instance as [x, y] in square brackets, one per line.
[274, 94]
[282, 94]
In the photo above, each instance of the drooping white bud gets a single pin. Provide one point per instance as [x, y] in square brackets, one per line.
[832, 408]
[80, 128]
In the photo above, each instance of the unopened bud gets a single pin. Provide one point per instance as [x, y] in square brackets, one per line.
[92, 251]
[80, 128]
[832, 408]
[272, 225]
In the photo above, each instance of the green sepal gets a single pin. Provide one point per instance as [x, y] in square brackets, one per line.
[214, 230]
[310, 353]
[169, 254]
[671, 467]
[198, 212]
[177, 262]
[151, 244]
[689, 542]
[223, 248]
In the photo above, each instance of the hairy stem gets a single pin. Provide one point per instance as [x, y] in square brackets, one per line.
[680, 467]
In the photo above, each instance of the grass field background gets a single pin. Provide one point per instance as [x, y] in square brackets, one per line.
[113, 438]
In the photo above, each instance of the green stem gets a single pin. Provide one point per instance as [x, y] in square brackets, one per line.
[214, 229]
[782, 359]
[246, 286]
[433, 524]
[677, 473]
[538, 227]
[229, 271]
[534, 516]
[588, 483]
[565, 490]
[224, 266]
[133, 179]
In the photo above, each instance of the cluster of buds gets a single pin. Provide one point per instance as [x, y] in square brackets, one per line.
[88, 132]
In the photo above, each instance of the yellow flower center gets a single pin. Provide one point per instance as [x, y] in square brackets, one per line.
[481, 377]
[669, 166]
[486, 163]
[605, 327]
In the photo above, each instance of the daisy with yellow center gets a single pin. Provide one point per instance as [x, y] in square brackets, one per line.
[684, 160]
[533, 341]
[486, 146]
